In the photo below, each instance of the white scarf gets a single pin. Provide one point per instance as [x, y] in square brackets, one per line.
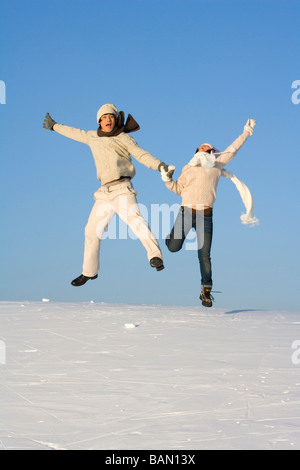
[207, 161]
[248, 218]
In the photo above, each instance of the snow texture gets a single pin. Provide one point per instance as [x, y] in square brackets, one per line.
[118, 377]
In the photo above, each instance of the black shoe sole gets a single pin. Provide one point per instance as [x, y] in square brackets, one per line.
[83, 282]
[160, 268]
[157, 263]
[205, 304]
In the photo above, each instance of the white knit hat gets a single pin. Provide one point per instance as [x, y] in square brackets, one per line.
[106, 109]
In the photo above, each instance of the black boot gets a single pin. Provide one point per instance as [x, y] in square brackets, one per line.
[82, 279]
[206, 297]
[157, 263]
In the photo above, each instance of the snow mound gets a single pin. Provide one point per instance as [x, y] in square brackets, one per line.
[100, 376]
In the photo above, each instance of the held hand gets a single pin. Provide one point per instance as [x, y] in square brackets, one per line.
[162, 165]
[167, 175]
[249, 127]
[48, 122]
[166, 168]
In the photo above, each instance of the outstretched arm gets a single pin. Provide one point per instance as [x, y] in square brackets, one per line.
[231, 151]
[67, 131]
[143, 156]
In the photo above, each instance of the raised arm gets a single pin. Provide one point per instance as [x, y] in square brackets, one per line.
[67, 131]
[231, 151]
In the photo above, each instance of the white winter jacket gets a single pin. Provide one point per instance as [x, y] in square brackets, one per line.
[199, 187]
[111, 154]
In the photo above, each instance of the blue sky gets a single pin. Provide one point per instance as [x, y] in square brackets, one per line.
[189, 71]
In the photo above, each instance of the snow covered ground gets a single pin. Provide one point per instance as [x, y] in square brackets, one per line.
[100, 376]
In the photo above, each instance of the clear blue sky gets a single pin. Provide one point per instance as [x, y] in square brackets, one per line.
[189, 72]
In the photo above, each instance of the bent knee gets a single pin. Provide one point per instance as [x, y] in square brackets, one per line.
[173, 247]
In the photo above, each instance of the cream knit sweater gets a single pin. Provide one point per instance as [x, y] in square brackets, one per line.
[198, 186]
[111, 154]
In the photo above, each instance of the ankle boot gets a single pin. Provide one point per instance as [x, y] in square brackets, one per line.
[206, 297]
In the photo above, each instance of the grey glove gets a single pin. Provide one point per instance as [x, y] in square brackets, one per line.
[163, 165]
[49, 122]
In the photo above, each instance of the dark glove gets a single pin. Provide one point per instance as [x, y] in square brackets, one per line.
[171, 169]
[49, 122]
[163, 165]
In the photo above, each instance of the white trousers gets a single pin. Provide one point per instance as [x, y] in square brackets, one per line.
[118, 199]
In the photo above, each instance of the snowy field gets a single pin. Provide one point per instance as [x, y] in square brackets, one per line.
[100, 376]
